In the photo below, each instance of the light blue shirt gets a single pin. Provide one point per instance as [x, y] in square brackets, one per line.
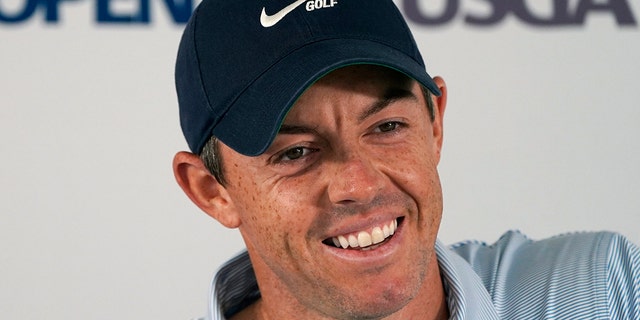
[572, 276]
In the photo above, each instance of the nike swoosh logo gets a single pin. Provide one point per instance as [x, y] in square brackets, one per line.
[271, 20]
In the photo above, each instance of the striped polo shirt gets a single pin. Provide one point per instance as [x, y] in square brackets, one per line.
[591, 275]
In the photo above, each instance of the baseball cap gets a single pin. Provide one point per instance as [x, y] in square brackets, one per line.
[242, 64]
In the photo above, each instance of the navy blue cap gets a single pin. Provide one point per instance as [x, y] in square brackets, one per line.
[243, 63]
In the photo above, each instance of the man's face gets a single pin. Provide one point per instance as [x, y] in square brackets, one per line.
[354, 164]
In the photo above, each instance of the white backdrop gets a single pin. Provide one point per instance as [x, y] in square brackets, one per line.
[541, 135]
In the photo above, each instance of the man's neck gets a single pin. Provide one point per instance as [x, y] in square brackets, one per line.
[429, 304]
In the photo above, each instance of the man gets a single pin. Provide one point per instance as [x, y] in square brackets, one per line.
[316, 131]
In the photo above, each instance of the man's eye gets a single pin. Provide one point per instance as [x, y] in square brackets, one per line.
[294, 153]
[388, 126]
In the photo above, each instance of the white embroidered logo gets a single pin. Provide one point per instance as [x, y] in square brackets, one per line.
[271, 20]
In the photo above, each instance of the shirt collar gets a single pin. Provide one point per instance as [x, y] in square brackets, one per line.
[467, 297]
[235, 287]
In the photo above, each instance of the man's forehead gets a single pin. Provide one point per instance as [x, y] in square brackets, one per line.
[371, 80]
[380, 84]
[365, 72]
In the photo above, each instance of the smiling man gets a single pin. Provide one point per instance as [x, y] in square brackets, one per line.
[341, 212]
[316, 131]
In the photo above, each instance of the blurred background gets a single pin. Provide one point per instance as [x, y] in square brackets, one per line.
[542, 134]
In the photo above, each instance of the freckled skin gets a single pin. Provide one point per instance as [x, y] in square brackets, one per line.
[350, 171]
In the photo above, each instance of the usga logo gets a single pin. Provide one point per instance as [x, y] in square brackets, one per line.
[320, 4]
[562, 12]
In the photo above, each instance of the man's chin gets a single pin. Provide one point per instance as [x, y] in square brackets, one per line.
[376, 307]
[371, 301]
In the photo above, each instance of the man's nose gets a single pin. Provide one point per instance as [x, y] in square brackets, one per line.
[356, 180]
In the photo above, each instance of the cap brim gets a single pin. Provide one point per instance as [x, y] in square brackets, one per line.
[252, 122]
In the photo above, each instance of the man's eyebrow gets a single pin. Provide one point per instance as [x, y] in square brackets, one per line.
[293, 129]
[391, 95]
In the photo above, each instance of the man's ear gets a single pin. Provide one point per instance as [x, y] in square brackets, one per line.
[439, 106]
[203, 189]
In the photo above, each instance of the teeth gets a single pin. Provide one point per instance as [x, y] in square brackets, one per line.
[365, 239]
[376, 235]
[353, 241]
[343, 242]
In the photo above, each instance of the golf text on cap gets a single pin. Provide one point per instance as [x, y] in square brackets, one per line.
[271, 20]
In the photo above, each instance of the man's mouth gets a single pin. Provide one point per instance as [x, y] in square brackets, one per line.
[365, 239]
